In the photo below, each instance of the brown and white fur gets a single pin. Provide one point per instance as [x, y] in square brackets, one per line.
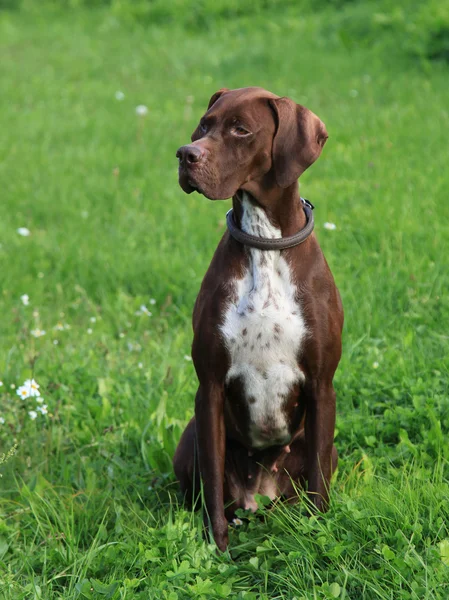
[267, 324]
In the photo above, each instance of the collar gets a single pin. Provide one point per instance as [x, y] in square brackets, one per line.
[277, 243]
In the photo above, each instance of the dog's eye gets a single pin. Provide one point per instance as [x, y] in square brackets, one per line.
[203, 128]
[239, 130]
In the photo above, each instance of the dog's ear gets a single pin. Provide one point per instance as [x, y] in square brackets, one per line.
[217, 95]
[196, 135]
[298, 141]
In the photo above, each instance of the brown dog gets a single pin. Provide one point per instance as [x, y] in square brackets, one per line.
[267, 322]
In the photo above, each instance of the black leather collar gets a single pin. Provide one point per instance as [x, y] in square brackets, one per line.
[277, 243]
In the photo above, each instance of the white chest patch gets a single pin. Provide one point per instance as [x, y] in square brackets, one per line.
[263, 329]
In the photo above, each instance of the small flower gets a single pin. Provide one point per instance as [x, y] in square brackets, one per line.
[59, 327]
[187, 357]
[141, 110]
[121, 334]
[119, 95]
[55, 342]
[23, 231]
[2, 421]
[330, 226]
[37, 332]
[42, 409]
[89, 331]
[33, 387]
[25, 299]
[152, 301]
[140, 365]
[93, 320]
[143, 310]
[30, 389]
[375, 365]
[237, 522]
[33, 414]
[23, 392]
[12, 386]
[1, 383]
[35, 314]
[39, 400]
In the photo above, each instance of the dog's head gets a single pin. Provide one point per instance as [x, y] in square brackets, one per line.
[249, 138]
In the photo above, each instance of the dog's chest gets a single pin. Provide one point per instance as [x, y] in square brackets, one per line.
[263, 329]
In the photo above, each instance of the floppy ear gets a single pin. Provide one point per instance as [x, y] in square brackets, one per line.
[298, 141]
[196, 135]
[217, 95]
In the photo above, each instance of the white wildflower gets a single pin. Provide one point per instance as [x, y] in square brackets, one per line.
[237, 522]
[152, 301]
[39, 400]
[59, 327]
[30, 389]
[1, 383]
[119, 95]
[33, 387]
[37, 332]
[140, 365]
[43, 409]
[121, 334]
[25, 299]
[187, 357]
[23, 231]
[23, 392]
[35, 314]
[330, 226]
[143, 310]
[93, 319]
[375, 365]
[2, 421]
[33, 414]
[89, 331]
[55, 342]
[141, 110]
[12, 386]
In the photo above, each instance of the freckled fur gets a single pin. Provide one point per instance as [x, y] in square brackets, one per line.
[265, 298]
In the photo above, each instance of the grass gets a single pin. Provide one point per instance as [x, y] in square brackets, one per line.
[88, 503]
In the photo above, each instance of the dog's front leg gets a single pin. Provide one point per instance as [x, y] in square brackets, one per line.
[319, 430]
[211, 452]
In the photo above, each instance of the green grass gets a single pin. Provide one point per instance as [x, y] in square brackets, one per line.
[88, 503]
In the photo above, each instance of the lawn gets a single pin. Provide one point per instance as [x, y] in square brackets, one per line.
[112, 264]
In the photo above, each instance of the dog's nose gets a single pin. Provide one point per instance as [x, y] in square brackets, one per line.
[189, 154]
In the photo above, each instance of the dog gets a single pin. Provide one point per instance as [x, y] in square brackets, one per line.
[268, 319]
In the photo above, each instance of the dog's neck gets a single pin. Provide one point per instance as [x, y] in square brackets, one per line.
[283, 208]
